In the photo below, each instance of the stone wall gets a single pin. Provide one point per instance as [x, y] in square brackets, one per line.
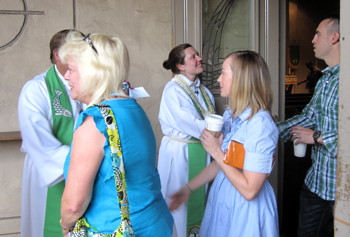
[146, 28]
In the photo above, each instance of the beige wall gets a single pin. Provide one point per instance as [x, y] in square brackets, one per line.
[11, 164]
[146, 28]
[342, 204]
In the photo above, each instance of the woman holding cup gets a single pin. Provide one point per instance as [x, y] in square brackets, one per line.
[241, 201]
[185, 103]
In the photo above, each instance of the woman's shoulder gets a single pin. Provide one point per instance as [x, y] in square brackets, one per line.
[263, 115]
[93, 111]
[173, 89]
[170, 85]
[262, 121]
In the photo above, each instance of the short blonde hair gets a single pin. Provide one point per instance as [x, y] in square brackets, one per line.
[103, 64]
[251, 83]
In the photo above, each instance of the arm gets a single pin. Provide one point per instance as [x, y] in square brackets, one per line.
[305, 119]
[328, 101]
[86, 158]
[205, 176]
[38, 141]
[248, 183]
[328, 139]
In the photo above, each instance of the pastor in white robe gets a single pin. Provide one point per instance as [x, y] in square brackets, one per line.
[180, 120]
[45, 155]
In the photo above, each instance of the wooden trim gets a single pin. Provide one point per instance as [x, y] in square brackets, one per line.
[10, 136]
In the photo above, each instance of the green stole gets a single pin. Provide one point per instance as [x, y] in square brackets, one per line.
[63, 125]
[197, 161]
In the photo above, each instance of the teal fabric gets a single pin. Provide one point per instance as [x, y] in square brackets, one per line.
[148, 211]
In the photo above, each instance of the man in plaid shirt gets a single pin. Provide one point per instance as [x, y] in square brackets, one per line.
[318, 125]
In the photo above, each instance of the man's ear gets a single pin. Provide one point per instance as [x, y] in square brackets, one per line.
[55, 55]
[335, 37]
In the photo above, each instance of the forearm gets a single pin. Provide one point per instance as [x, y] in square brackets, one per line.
[299, 120]
[247, 183]
[72, 210]
[182, 195]
[207, 175]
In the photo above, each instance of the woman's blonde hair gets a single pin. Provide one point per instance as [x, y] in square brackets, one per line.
[102, 61]
[251, 83]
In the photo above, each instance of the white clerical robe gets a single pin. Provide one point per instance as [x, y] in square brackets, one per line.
[179, 119]
[45, 155]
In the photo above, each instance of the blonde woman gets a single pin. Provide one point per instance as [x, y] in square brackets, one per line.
[97, 66]
[241, 200]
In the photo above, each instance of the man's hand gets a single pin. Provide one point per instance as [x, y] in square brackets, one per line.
[302, 135]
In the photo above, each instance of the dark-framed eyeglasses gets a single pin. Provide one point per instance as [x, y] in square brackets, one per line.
[88, 40]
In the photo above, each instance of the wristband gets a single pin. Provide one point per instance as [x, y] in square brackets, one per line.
[316, 135]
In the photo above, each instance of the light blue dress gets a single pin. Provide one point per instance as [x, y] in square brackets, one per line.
[227, 212]
[149, 213]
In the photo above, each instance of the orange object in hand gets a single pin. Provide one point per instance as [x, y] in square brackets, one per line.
[235, 155]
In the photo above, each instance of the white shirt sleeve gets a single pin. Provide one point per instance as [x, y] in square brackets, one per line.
[178, 116]
[35, 117]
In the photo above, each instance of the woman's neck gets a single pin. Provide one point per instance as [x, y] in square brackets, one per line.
[190, 77]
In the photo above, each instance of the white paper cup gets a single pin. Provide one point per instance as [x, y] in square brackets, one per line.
[213, 123]
[299, 149]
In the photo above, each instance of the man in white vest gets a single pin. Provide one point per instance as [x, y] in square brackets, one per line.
[46, 116]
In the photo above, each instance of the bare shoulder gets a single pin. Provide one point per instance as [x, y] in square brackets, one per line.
[87, 138]
[87, 128]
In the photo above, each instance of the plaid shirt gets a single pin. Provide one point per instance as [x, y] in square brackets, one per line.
[321, 114]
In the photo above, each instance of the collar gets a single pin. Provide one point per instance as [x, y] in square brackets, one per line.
[193, 84]
[331, 70]
[245, 114]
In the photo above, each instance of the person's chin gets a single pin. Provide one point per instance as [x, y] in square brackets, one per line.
[224, 95]
[73, 96]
